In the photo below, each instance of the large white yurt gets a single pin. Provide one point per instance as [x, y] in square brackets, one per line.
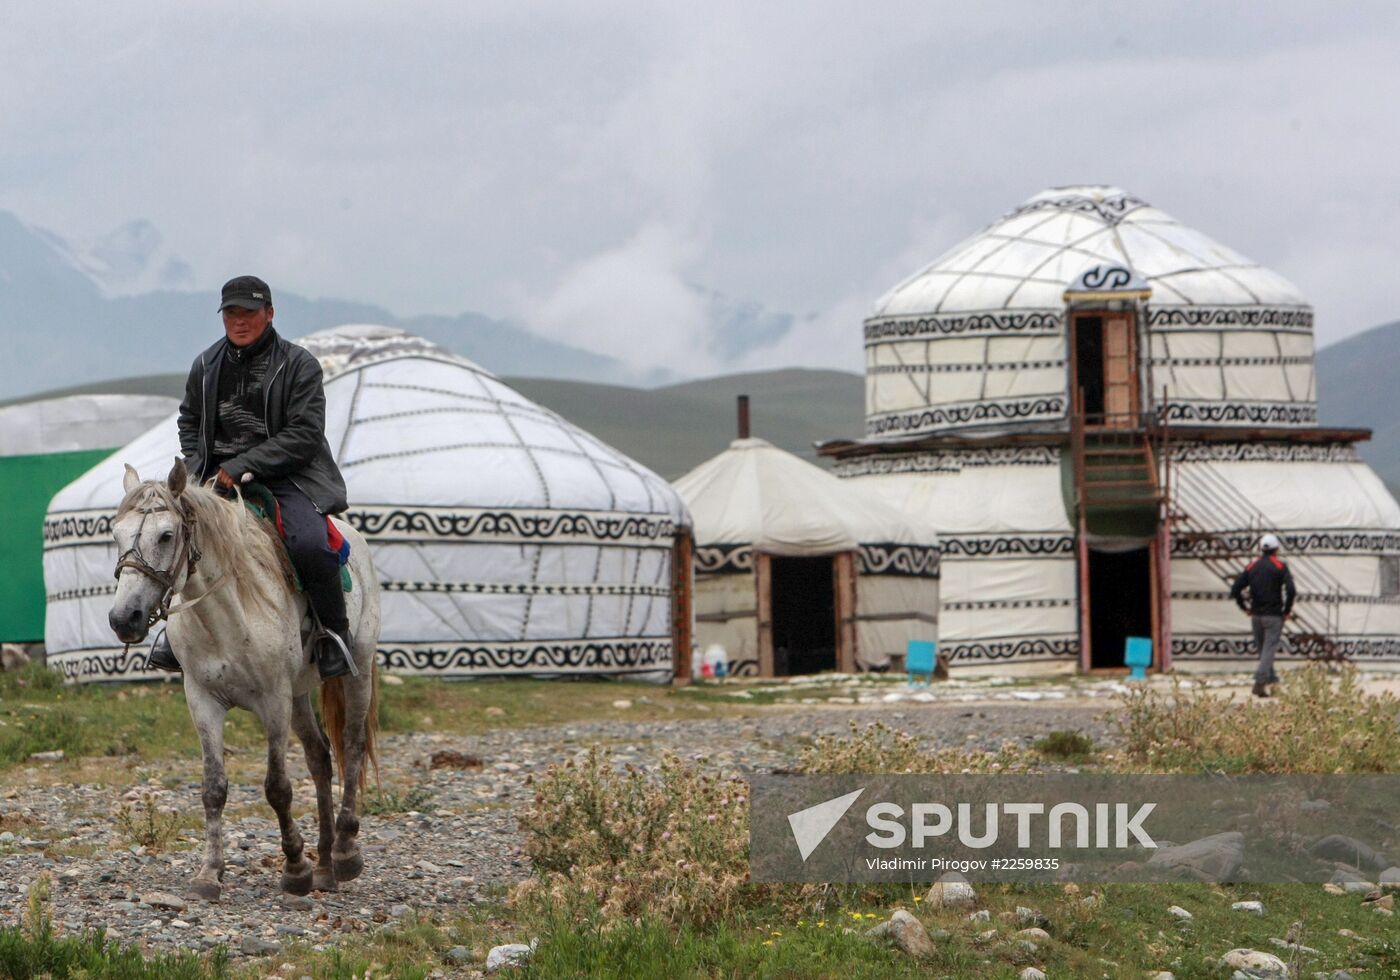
[797, 571]
[1100, 410]
[507, 541]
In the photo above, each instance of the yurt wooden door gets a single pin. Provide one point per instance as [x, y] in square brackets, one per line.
[806, 613]
[1106, 367]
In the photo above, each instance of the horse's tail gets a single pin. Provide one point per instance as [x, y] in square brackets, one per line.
[333, 719]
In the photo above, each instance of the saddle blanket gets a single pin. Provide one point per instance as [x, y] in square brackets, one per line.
[260, 501]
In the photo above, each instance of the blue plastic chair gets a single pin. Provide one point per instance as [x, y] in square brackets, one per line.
[1138, 656]
[919, 658]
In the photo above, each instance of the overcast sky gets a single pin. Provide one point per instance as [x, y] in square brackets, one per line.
[582, 166]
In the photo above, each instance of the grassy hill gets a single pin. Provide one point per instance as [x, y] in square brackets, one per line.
[670, 429]
[676, 427]
[1358, 383]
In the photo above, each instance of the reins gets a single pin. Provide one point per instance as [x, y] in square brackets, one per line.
[167, 578]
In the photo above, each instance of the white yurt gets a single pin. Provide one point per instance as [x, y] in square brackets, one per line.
[45, 443]
[507, 541]
[797, 571]
[1101, 410]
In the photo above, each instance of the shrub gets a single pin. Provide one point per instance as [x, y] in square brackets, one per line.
[626, 844]
[1319, 723]
[1063, 744]
[379, 800]
[146, 822]
[877, 749]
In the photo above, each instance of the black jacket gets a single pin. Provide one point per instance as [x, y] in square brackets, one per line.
[1270, 585]
[295, 413]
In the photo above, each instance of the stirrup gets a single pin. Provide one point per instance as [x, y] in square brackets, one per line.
[322, 636]
[161, 656]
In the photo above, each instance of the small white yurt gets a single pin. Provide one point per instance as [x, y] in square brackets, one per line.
[507, 541]
[797, 571]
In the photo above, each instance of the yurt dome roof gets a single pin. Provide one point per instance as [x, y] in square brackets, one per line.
[756, 494]
[474, 441]
[1027, 258]
[78, 422]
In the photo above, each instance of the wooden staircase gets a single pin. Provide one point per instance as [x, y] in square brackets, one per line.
[1117, 477]
[1115, 470]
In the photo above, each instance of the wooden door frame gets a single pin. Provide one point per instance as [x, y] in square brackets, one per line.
[843, 566]
[1134, 356]
[845, 593]
[763, 595]
[1160, 629]
[682, 606]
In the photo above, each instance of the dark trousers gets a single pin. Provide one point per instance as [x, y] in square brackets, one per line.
[1268, 630]
[316, 564]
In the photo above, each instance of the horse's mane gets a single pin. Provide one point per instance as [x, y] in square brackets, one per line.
[242, 544]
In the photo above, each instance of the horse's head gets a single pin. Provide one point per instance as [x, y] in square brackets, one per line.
[153, 537]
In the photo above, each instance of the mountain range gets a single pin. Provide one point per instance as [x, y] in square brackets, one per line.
[128, 284]
[124, 305]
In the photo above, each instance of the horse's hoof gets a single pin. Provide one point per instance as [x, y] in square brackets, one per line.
[347, 868]
[298, 883]
[323, 880]
[205, 891]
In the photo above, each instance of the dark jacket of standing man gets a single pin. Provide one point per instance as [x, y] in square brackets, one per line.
[255, 408]
[1271, 593]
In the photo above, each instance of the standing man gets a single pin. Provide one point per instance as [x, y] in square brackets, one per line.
[1271, 595]
[254, 408]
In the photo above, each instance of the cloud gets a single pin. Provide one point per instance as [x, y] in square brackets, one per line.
[589, 164]
[632, 302]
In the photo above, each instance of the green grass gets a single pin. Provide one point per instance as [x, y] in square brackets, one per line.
[1130, 928]
[386, 799]
[40, 953]
[140, 723]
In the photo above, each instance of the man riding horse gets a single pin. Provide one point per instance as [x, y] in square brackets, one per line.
[255, 408]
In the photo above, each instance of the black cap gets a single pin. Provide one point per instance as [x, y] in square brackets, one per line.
[249, 292]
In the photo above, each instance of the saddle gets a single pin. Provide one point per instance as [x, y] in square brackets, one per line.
[259, 499]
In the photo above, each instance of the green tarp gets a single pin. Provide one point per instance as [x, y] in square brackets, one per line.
[27, 484]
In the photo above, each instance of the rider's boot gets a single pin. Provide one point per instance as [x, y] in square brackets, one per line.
[161, 656]
[332, 646]
[333, 656]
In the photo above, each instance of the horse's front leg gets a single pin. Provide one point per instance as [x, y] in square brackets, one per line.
[208, 715]
[296, 871]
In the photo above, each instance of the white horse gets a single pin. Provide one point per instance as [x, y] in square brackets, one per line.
[236, 627]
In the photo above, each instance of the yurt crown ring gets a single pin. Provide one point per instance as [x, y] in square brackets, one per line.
[133, 559]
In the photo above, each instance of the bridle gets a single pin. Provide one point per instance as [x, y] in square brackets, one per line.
[167, 578]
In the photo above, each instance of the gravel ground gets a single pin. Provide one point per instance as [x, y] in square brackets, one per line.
[462, 846]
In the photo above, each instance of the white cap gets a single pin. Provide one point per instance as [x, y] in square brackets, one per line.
[1269, 542]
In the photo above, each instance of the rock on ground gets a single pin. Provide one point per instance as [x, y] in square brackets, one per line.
[1218, 857]
[511, 954]
[907, 932]
[1256, 907]
[950, 891]
[1252, 962]
[1348, 850]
